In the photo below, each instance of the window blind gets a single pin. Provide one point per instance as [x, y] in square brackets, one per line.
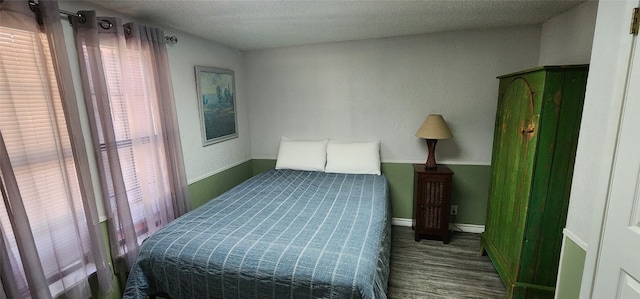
[34, 130]
[140, 146]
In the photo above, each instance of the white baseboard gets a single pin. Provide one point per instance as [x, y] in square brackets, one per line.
[402, 222]
[466, 228]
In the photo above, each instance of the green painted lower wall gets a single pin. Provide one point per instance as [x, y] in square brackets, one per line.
[400, 178]
[469, 191]
[261, 165]
[210, 187]
[571, 268]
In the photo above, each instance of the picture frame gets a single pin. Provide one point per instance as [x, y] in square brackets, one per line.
[217, 104]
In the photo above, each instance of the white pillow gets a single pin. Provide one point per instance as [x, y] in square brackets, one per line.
[355, 157]
[302, 154]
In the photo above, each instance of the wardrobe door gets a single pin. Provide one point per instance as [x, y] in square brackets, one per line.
[514, 154]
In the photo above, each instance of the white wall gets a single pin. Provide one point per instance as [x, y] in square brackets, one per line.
[567, 38]
[600, 120]
[200, 162]
[384, 88]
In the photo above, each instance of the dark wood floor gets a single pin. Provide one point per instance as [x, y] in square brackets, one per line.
[431, 269]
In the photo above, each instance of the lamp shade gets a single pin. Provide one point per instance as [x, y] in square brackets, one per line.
[434, 127]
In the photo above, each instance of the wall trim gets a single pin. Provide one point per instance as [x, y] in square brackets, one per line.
[204, 176]
[263, 158]
[399, 161]
[569, 234]
[465, 228]
[439, 162]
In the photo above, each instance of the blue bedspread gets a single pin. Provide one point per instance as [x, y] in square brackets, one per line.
[281, 234]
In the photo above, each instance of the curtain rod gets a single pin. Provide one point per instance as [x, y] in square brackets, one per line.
[32, 4]
[68, 13]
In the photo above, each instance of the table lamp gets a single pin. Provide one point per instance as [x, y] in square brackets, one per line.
[433, 129]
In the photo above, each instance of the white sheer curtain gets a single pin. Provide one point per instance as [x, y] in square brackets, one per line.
[50, 237]
[127, 90]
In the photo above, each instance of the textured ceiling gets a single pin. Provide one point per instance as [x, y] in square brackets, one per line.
[251, 25]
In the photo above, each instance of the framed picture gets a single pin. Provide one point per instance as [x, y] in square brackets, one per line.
[217, 103]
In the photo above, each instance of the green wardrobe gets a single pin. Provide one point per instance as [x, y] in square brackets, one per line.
[535, 138]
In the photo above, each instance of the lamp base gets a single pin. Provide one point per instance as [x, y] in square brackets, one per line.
[431, 158]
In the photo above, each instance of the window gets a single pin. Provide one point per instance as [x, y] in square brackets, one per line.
[127, 92]
[34, 130]
[137, 136]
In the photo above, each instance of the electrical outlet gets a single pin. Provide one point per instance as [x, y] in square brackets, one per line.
[454, 210]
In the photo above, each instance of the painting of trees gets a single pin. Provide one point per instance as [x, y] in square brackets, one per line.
[216, 88]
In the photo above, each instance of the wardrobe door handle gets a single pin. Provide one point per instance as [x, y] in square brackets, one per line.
[527, 130]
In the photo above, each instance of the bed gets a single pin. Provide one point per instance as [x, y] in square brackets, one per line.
[281, 234]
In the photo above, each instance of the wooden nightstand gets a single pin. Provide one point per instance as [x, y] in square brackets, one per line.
[431, 201]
